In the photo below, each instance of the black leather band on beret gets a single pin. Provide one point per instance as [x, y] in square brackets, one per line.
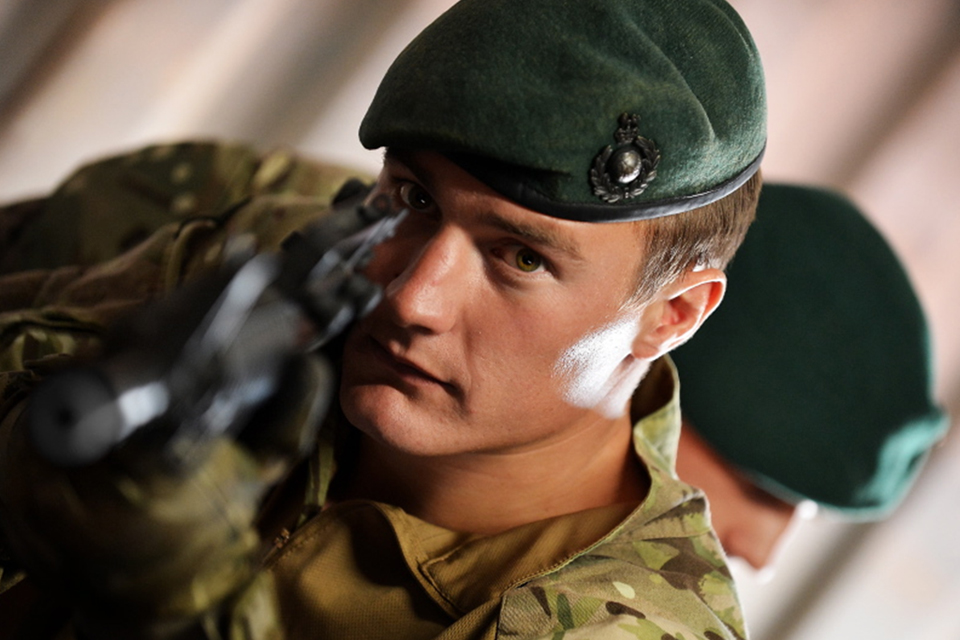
[511, 183]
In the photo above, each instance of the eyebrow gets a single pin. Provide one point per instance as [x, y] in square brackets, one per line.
[544, 237]
[536, 235]
[409, 161]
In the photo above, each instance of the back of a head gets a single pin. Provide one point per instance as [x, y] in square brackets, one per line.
[814, 376]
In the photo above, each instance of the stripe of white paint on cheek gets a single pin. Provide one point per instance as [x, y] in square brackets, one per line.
[622, 387]
[588, 369]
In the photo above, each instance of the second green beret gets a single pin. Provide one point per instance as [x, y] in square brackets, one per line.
[814, 376]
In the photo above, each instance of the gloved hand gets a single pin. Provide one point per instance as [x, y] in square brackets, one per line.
[146, 551]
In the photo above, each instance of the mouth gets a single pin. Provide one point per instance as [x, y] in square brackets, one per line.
[405, 369]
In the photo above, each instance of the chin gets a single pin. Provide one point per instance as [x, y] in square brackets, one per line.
[389, 417]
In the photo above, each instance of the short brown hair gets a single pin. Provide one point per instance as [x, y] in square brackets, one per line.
[707, 236]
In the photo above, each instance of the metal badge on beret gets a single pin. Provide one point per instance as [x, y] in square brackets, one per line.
[623, 171]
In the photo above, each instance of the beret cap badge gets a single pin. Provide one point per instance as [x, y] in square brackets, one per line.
[624, 170]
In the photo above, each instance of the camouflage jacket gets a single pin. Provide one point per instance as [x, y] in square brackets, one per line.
[136, 226]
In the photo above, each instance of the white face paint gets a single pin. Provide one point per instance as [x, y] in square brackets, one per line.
[599, 372]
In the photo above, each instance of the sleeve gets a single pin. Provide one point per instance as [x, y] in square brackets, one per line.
[58, 310]
[119, 232]
[113, 203]
[51, 318]
[48, 318]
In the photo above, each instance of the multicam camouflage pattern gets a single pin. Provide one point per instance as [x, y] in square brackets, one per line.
[117, 233]
[660, 574]
[111, 205]
[68, 271]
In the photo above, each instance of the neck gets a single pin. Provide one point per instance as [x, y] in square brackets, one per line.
[486, 493]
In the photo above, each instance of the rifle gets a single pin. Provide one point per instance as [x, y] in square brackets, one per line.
[195, 365]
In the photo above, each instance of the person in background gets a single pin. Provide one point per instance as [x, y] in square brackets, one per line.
[812, 385]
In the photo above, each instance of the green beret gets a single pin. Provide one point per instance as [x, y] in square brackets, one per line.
[814, 375]
[596, 110]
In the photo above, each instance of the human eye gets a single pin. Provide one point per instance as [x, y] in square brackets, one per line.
[527, 260]
[415, 197]
[521, 258]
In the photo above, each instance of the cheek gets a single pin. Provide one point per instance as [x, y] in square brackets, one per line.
[376, 269]
[391, 257]
[595, 369]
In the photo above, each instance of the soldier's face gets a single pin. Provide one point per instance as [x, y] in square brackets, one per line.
[501, 329]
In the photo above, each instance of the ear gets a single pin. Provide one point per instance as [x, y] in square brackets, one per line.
[677, 312]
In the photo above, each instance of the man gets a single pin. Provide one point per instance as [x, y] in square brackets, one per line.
[826, 396]
[577, 176]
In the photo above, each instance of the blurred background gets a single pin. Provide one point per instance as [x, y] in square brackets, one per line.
[864, 97]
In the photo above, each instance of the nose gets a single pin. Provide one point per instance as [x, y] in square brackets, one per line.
[426, 283]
